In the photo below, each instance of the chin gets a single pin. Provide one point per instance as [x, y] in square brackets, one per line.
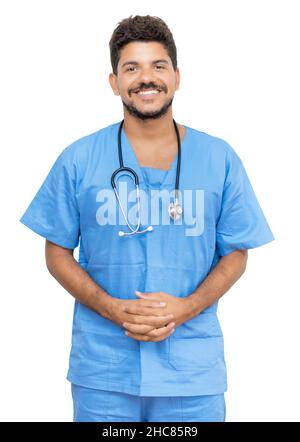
[146, 112]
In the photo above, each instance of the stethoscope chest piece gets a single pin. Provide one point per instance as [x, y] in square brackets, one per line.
[175, 210]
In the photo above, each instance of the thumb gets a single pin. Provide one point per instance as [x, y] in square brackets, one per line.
[144, 295]
[140, 294]
[148, 296]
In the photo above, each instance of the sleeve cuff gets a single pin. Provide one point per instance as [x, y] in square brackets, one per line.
[50, 236]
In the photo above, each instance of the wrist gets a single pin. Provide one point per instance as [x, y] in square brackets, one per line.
[192, 305]
[106, 305]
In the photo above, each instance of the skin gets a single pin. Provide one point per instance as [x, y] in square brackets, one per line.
[153, 140]
[152, 316]
[144, 319]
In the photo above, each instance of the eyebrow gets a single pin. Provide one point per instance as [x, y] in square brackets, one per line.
[135, 63]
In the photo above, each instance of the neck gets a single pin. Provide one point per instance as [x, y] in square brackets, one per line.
[149, 129]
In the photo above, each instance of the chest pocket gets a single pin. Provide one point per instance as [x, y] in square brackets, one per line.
[195, 354]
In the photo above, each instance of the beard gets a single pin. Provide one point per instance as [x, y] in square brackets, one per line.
[151, 115]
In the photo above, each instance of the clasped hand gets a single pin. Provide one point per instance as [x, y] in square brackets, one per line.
[152, 317]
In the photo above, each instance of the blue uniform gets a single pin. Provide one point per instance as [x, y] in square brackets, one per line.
[93, 405]
[71, 208]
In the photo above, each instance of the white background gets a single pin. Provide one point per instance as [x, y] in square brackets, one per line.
[239, 62]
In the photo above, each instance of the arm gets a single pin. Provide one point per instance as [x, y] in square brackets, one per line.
[228, 270]
[66, 270]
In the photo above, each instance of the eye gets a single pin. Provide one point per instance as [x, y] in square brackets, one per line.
[131, 69]
[160, 67]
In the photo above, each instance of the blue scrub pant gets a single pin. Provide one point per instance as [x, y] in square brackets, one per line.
[91, 405]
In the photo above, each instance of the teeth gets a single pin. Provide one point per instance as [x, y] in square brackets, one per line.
[148, 92]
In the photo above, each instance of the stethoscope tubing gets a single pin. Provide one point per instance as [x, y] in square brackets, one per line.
[129, 171]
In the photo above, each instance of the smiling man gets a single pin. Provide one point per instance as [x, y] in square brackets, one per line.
[157, 97]
[146, 342]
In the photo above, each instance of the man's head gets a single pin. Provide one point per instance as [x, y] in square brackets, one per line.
[144, 63]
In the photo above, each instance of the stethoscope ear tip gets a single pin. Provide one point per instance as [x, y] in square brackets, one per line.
[121, 233]
[149, 228]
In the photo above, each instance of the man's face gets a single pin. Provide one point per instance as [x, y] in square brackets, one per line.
[145, 80]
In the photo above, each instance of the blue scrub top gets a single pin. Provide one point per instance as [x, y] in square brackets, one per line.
[65, 210]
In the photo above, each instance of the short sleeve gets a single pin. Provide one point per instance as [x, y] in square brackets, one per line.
[241, 224]
[53, 212]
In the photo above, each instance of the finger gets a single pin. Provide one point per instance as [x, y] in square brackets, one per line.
[146, 296]
[138, 328]
[161, 331]
[165, 336]
[147, 338]
[150, 302]
[138, 337]
[144, 310]
[155, 321]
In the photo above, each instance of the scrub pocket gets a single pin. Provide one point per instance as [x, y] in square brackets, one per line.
[98, 348]
[211, 408]
[195, 354]
[93, 405]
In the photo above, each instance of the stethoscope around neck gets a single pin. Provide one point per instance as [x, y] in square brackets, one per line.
[174, 208]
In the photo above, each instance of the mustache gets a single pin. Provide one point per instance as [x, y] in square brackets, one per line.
[147, 86]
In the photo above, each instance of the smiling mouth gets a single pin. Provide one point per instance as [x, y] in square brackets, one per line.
[149, 92]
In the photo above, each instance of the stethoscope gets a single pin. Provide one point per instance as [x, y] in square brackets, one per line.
[174, 209]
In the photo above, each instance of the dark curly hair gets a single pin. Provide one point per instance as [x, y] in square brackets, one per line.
[141, 28]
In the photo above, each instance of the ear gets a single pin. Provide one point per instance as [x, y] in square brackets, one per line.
[177, 79]
[113, 83]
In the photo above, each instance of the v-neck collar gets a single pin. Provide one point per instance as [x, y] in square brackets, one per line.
[130, 160]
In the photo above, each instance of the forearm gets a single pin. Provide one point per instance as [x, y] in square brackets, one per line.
[228, 270]
[66, 270]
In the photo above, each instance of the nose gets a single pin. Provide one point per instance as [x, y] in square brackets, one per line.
[146, 75]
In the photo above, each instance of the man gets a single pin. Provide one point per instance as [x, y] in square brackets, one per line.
[146, 341]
